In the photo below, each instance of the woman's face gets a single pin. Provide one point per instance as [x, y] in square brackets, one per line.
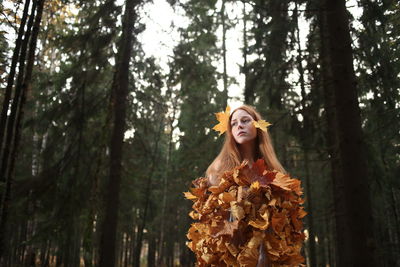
[243, 129]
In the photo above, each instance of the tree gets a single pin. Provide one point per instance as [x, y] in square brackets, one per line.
[119, 94]
[14, 121]
[356, 230]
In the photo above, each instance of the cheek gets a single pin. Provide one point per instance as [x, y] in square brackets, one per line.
[253, 131]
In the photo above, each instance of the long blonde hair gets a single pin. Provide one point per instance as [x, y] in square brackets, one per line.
[229, 157]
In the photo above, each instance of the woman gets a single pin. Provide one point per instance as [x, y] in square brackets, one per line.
[248, 209]
[243, 141]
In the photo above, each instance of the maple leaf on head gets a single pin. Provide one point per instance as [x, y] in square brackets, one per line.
[261, 124]
[223, 118]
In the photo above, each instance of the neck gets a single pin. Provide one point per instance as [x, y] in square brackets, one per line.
[248, 151]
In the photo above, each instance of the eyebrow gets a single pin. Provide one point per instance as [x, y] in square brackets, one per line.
[244, 116]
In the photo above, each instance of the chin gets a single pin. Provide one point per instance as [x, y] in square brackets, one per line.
[242, 141]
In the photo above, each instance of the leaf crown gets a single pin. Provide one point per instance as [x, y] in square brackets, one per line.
[223, 120]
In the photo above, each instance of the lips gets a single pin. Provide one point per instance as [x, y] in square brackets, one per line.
[241, 133]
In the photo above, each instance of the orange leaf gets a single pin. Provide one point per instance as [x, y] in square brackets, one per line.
[278, 222]
[226, 197]
[259, 166]
[189, 196]
[228, 228]
[261, 124]
[223, 118]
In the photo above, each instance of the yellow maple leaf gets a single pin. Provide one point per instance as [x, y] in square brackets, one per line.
[261, 124]
[223, 118]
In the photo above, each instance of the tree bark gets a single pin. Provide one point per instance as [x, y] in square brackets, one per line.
[142, 224]
[225, 75]
[248, 92]
[11, 75]
[16, 116]
[355, 243]
[306, 142]
[120, 91]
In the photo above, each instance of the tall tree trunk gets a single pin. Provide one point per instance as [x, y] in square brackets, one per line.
[142, 225]
[16, 117]
[331, 134]
[306, 142]
[163, 231]
[248, 92]
[8, 133]
[225, 75]
[11, 75]
[151, 254]
[119, 95]
[355, 240]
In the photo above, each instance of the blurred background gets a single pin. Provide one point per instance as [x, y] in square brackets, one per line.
[107, 110]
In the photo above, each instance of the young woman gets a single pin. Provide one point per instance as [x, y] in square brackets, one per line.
[243, 141]
[249, 213]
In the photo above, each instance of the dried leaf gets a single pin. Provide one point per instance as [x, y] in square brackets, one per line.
[262, 124]
[237, 210]
[189, 196]
[223, 119]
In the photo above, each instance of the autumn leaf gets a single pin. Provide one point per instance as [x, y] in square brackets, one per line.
[237, 210]
[228, 228]
[285, 182]
[259, 166]
[255, 185]
[189, 196]
[223, 118]
[259, 224]
[262, 125]
[278, 221]
[226, 197]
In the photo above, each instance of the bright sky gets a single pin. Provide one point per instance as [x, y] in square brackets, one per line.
[159, 39]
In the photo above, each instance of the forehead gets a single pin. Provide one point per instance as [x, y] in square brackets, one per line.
[240, 113]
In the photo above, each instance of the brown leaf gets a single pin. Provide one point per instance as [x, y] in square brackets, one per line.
[228, 228]
[237, 210]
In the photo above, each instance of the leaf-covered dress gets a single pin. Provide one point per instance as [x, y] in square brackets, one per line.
[253, 213]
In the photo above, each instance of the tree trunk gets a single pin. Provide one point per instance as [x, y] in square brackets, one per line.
[355, 243]
[161, 242]
[119, 95]
[248, 91]
[142, 225]
[11, 75]
[16, 116]
[151, 255]
[331, 134]
[225, 75]
[306, 142]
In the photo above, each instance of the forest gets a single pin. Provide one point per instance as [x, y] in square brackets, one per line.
[99, 139]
